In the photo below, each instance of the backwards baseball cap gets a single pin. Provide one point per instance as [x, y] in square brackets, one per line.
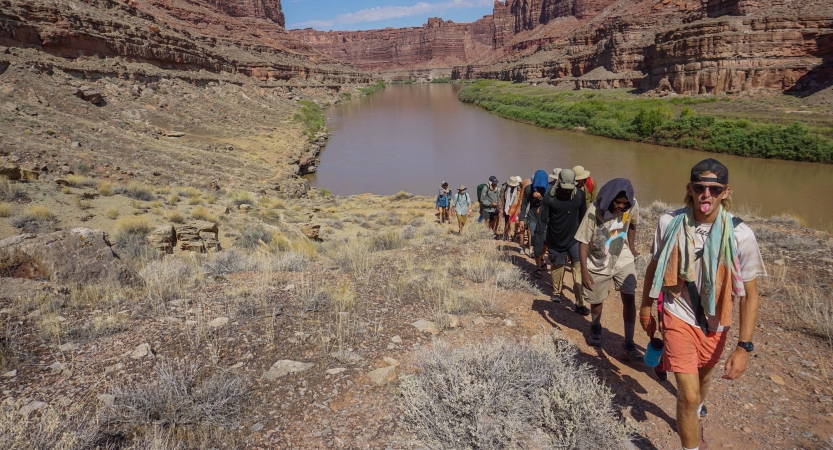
[710, 165]
[493, 179]
[567, 179]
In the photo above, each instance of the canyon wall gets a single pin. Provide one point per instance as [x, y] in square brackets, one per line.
[231, 36]
[437, 44]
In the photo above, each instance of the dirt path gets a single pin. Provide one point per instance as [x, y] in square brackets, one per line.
[782, 401]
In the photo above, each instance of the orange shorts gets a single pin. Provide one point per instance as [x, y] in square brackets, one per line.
[687, 348]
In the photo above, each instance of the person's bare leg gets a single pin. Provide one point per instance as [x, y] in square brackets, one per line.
[688, 402]
[577, 287]
[705, 382]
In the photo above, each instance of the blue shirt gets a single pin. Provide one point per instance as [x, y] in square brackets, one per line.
[462, 206]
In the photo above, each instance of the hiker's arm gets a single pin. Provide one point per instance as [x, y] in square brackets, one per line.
[586, 279]
[632, 239]
[522, 212]
[646, 319]
[738, 360]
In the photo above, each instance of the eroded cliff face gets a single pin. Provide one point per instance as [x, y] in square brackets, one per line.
[437, 44]
[213, 35]
[690, 47]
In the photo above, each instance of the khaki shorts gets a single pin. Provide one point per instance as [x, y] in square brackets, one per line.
[624, 280]
[462, 218]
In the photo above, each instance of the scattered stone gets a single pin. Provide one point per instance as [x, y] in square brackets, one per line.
[191, 323]
[10, 374]
[236, 366]
[383, 376]
[391, 361]
[218, 322]
[69, 347]
[509, 322]
[91, 96]
[347, 356]
[57, 366]
[479, 320]
[113, 368]
[778, 262]
[75, 144]
[747, 430]
[426, 326]
[257, 427]
[336, 371]
[453, 321]
[163, 239]
[288, 287]
[285, 367]
[777, 380]
[396, 340]
[141, 351]
[827, 260]
[174, 134]
[311, 231]
[30, 408]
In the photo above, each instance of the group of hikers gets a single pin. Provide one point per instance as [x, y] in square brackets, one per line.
[703, 260]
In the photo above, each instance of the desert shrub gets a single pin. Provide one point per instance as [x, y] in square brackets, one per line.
[135, 191]
[251, 235]
[71, 428]
[387, 240]
[402, 195]
[378, 86]
[229, 262]
[812, 308]
[292, 261]
[105, 188]
[11, 350]
[173, 199]
[785, 219]
[106, 325]
[409, 232]
[168, 279]
[82, 204]
[501, 394]
[201, 213]
[6, 209]
[175, 217]
[512, 278]
[241, 198]
[81, 181]
[352, 255]
[478, 266]
[337, 224]
[474, 232]
[36, 219]
[648, 120]
[658, 208]
[131, 237]
[10, 190]
[180, 395]
[312, 116]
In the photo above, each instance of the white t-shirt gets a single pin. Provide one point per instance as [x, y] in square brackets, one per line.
[677, 300]
[608, 239]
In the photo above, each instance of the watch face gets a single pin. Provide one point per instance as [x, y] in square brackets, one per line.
[748, 346]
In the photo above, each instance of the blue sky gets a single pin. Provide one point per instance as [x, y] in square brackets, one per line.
[371, 14]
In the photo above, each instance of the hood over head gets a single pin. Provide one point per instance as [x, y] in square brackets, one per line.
[611, 190]
[540, 181]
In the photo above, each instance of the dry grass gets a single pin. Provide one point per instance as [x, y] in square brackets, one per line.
[136, 191]
[812, 308]
[105, 188]
[82, 204]
[65, 428]
[501, 394]
[353, 255]
[81, 181]
[6, 209]
[175, 217]
[112, 214]
[138, 225]
[170, 279]
[202, 213]
[173, 199]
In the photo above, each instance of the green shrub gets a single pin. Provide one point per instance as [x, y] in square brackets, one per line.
[312, 117]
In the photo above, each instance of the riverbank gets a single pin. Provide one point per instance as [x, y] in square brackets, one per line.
[760, 125]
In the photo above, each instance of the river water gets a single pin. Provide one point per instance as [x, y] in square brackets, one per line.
[412, 137]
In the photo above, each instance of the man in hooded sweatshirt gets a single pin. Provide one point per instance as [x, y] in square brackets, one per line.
[562, 210]
[531, 199]
[607, 254]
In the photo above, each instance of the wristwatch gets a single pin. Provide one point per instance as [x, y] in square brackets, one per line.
[748, 346]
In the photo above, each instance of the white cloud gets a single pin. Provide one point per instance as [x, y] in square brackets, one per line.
[394, 12]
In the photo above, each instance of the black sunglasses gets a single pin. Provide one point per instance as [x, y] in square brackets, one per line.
[713, 190]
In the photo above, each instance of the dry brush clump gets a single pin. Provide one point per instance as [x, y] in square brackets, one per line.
[505, 395]
[812, 308]
[170, 278]
[65, 428]
[186, 400]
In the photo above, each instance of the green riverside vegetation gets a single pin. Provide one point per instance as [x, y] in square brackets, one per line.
[670, 122]
[378, 86]
[312, 117]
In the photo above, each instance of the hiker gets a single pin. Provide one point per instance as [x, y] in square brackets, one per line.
[703, 260]
[509, 203]
[530, 206]
[607, 254]
[462, 207]
[525, 238]
[586, 184]
[488, 195]
[442, 202]
[562, 209]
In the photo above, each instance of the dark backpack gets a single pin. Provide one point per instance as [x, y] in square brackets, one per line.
[480, 188]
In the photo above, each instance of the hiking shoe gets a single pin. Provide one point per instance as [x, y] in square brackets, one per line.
[662, 375]
[630, 353]
[703, 411]
[595, 338]
[583, 310]
[556, 298]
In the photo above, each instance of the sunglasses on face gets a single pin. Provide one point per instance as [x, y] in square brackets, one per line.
[713, 190]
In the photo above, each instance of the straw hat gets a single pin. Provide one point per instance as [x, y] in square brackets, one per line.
[581, 174]
[514, 181]
[461, 188]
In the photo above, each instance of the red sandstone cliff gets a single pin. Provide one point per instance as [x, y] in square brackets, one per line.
[437, 44]
[232, 36]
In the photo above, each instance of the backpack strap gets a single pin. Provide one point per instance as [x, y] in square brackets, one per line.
[736, 221]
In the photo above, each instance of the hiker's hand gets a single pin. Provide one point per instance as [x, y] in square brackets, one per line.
[634, 252]
[647, 320]
[536, 195]
[587, 281]
[736, 364]
[521, 226]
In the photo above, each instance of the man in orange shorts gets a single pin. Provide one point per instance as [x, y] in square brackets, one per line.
[703, 260]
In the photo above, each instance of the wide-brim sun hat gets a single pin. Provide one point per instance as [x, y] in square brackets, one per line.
[581, 174]
[513, 182]
[554, 175]
[461, 188]
[567, 179]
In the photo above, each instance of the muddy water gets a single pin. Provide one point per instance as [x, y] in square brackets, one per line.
[412, 137]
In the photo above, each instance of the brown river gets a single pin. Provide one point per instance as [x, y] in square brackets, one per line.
[412, 137]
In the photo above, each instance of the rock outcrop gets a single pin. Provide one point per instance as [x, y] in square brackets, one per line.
[77, 256]
[437, 44]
